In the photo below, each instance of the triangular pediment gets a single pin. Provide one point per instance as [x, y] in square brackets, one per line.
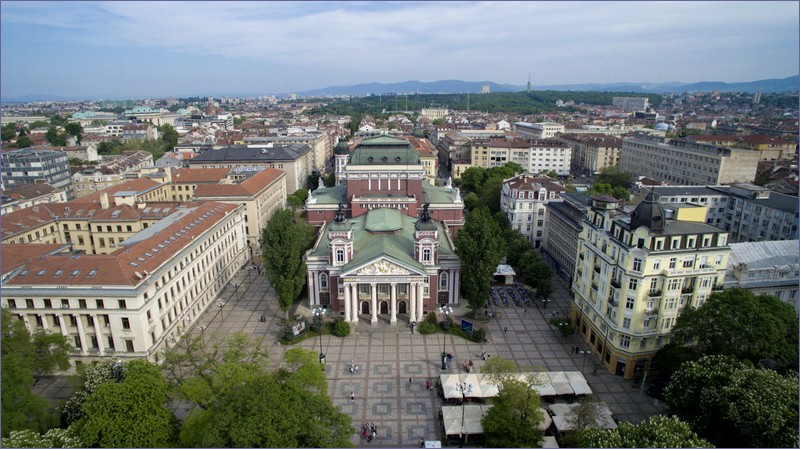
[382, 266]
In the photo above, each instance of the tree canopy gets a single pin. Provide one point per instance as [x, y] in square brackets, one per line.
[75, 130]
[23, 357]
[131, 412]
[55, 138]
[737, 322]
[283, 243]
[657, 431]
[733, 404]
[169, 136]
[480, 246]
[514, 418]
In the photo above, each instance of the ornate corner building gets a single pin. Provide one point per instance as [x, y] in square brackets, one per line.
[385, 247]
[636, 272]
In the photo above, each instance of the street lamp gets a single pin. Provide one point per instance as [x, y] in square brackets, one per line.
[445, 311]
[203, 332]
[222, 315]
[320, 313]
[544, 302]
[465, 389]
[584, 359]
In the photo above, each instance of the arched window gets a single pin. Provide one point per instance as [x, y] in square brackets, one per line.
[443, 281]
[323, 281]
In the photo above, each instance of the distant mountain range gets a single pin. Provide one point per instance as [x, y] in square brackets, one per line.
[790, 84]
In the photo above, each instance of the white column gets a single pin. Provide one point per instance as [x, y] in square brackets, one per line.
[63, 325]
[354, 307]
[457, 286]
[45, 326]
[393, 313]
[347, 317]
[98, 329]
[412, 307]
[373, 288]
[312, 297]
[420, 301]
[82, 334]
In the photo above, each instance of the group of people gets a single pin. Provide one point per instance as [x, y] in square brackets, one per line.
[368, 431]
[489, 314]
[353, 367]
[485, 355]
[468, 365]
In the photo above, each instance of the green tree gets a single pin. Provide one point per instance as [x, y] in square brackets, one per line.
[109, 147]
[330, 179]
[657, 431]
[52, 438]
[55, 138]
[283, 243]
[97, 123]
[88, 378]
[614, 177]
[471, 201]
[9, 131]
[75, 130]
[607, 189]
[535, 272]
[293, 401]
[169, 136]
[438, 121]
[733, 404]
[670, 357]
[737, 322]
[297, 199]
[514, 418]
[129, 413]
[480, 246]
[516, 245]
[25, 356]
[58, 120]
[499, 370]
[24, 142]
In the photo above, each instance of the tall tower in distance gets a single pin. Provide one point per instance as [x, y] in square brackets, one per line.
[529, 83]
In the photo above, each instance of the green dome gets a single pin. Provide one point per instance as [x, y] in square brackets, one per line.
[342, 148]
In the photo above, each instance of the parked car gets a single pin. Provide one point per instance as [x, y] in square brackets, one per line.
[657, 388]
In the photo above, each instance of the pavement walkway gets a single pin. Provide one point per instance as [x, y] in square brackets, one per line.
[389, 389]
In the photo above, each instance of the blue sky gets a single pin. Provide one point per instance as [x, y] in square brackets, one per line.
[160, 49]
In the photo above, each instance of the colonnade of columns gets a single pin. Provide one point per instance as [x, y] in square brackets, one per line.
[351, 302]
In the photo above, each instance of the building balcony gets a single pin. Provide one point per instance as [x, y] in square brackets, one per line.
[616, 284]
[716, 287]
[689, 289]
[594, 287]
[597, 269]
[654, 294]
[651, 312]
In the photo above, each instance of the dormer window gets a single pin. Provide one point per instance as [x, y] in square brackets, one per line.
[340, 255]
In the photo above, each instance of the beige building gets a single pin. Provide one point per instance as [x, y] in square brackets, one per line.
[28, 195]
[261, 193]
[769, 148]
[434, 113]
[321, 144]
[428, 156]
[543, 130]
[111, 171]
[523, 198]
[635, 273]
[681, 162]
[139, 300]
[535, 156]
[591, 153]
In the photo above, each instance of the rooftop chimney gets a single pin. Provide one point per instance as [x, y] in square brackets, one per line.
[104, 200]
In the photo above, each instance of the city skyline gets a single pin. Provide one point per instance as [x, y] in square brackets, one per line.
[159, 49]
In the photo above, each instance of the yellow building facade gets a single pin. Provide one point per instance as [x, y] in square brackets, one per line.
[634, 275]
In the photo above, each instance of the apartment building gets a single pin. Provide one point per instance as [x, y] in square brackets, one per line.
[29, 166]
[434, 113]
[139, 300]
[769, 148]
[428, 156]
[765, 268]
[682, 162]
[631, 104]
[186, 180]
[543, 130]
[30, 195]
[563, 223]
[592, 152]
[110, 172]
[714, 200]
[523, 198]
[296, 160]
[321, 144]
[535, 156]
[261, 192]
[635, 273]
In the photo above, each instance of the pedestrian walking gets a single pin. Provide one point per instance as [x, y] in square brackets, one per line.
[525, 311]
[409, 382]
[427, 384]
[505, 329]
[352, 395]
[572, 350]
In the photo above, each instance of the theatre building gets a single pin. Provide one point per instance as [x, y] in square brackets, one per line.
[385, 249]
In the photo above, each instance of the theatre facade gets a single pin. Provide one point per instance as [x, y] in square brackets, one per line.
[385, 249]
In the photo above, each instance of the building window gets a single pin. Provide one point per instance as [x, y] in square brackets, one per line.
[632, 284]
[364, 288]
[340, 255]
[629, 303]
[12, 303]
[129, 345]
[637, 264]
[688, 263]
[626, 323]
[657, 264]
[82, 303]
[77, 341]
[443, 282]
[323, 282]
[426, 255]
[672, 262]
[126, 323]
[65, 303]
[625, 341]
[100, 304]
[122, 304]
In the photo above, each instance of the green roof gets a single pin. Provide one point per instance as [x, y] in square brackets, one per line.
[436, 194]
[384, 150]
[330, 195]
[384, 220]
[397, 246]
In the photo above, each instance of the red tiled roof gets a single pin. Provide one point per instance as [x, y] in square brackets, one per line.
[122, 266]
[20, 254]
[135, 185]
[248, 187]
